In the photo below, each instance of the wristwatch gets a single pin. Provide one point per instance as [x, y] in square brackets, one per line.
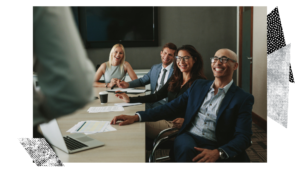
[222, 154]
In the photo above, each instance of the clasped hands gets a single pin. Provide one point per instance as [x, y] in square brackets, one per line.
[113, 81]
[118, 82]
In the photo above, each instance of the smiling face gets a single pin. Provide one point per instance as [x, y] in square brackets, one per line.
[224, 70]
[167, 56]
[117, 55]
[187, 65]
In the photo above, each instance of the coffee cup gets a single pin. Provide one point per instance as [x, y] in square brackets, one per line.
[103, 97]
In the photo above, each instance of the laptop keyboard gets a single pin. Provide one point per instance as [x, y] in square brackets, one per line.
[73, 144]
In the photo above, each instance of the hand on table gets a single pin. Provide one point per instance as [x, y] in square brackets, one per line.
[123, 96]
[177, 123]
[125, 118]
[206, 155]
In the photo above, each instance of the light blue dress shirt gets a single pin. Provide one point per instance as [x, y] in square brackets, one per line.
[204, 124]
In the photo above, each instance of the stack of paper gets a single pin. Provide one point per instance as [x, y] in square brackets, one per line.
[105, 109]
[121, 89]
[91, 127]
[128, 90]
[127, 104]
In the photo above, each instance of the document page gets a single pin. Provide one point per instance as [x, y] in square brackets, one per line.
[127, 104]
[105, 109]
[121, 89]
[91, 127]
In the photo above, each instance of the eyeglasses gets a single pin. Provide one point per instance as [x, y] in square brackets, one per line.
[184, 58]
[222, 59]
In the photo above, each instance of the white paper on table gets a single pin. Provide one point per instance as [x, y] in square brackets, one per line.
[75, 128]
[127, 104]
[105, 109]
[93, 126]
[109, 128]
[121, 89]
[136, 91]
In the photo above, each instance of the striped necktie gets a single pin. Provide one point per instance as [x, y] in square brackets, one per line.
[162, 79]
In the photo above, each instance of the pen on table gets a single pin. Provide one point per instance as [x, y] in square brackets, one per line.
[81, 126]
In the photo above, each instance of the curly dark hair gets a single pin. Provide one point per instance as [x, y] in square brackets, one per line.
[196, 72]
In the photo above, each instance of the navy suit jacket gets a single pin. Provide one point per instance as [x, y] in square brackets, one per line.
[150, 78]
[234, 118]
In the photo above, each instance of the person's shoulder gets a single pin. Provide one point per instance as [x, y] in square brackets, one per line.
[103, 65]
[240, 92]
[126, 63]
[157, 65]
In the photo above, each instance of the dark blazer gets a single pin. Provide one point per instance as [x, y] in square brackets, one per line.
[150, 78]
[234, 119]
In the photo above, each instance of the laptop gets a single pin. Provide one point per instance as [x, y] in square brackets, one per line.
[70, 143]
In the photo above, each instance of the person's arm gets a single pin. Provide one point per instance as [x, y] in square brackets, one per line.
[99, 73]
[141, 81]
[171, 109]
[130, 71]
[160, 94]
[64, 71]
[158, 113]
[243, 131]
[125, 119]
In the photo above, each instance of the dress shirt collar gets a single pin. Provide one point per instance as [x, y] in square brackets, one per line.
[168, 67]
[226, 88]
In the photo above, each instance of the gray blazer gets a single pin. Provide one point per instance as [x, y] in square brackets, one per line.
[150, 78]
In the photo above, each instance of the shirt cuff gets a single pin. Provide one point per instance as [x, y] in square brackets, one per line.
[140, 119]
[227, 156]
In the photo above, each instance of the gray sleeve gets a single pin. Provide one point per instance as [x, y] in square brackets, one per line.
[64, 71]
[141, 81]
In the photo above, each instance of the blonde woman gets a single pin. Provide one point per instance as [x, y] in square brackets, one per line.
[115, 69]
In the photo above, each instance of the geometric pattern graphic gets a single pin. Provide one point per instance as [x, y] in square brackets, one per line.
[275, 36]
[278, 64]
[291, 75]
[40, 151]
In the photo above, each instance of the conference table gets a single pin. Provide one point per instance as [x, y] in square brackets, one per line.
[126, 144]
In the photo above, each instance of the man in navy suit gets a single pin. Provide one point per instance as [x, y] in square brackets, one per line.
[158, 74]
[217, 123]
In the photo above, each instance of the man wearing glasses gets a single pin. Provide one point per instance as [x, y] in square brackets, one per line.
[217, 125]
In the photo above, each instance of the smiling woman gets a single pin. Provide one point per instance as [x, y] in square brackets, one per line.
[115, 69]
[188, 67]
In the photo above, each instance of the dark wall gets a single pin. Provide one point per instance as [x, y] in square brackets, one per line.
[206, 28]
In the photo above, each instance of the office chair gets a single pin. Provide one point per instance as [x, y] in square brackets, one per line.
[167, 143]
[163, 143]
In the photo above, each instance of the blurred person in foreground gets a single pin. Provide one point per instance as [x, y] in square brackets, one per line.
[65, 74]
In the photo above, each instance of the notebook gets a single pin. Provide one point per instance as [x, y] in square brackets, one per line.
[71, 143]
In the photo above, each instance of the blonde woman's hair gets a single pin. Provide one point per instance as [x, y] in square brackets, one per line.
[111, 56]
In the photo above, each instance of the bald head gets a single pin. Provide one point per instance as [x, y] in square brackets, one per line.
[228, 53]
[223, 71]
